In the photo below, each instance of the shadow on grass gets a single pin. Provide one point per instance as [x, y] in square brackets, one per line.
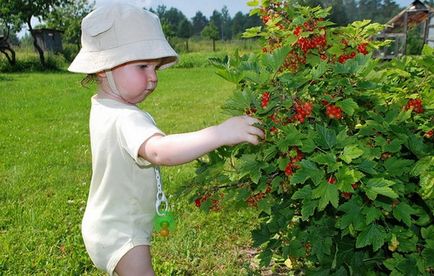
[5, 78]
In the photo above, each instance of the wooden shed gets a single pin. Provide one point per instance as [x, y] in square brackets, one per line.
[49, 40]
[397, 29]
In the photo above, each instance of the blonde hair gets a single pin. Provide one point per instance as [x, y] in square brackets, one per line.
[88, 80]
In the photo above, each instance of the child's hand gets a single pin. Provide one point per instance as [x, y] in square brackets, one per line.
[240, 129]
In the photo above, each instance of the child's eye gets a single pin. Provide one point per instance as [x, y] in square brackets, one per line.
[143, 66]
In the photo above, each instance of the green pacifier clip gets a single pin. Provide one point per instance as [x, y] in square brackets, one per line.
[163, 222]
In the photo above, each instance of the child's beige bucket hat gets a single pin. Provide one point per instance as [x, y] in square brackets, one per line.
[117, 33]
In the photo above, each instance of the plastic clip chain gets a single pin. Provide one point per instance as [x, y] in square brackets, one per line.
[161, 197]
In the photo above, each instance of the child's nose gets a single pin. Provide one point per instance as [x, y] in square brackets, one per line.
[152, 77]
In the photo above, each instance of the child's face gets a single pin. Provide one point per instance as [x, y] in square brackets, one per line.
[137, 79]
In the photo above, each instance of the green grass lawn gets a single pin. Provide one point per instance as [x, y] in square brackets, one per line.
[45, 169]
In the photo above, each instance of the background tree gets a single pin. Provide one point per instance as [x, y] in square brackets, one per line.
[211, 32]
[185, 30]
[174, 17]
[347, 11]
[217, 19]
[67, 18]
[226, 24]
[19, 12]
[238, 23]
[351, 10]
[5, 46]
[199, 21]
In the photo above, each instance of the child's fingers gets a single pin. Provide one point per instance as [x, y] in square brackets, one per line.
[256, 132]
[251, 121]
[253, 139]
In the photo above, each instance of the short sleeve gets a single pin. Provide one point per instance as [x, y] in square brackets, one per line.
[135, 128]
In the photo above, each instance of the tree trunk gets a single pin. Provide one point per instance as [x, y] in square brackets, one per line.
[186, 44]
[5, 46]
[213, 45]
[40, 51]
[11, 59]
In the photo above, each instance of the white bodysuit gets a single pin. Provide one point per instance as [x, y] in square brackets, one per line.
[121, 204]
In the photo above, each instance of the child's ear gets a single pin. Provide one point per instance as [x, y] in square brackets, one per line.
[101, 74]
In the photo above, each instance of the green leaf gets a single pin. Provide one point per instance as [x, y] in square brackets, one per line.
[308, 145]
[265, 258]
[326, 193]
[348, 106]
[352, 215]
[428, 235]
[376, 186]
[252, 167]
[427, 185]
[253, 3]
[305, 192]
[417, 146]
[231, 75]
[294, 249]
[372, 214]
[422, 166]
[239, 102]
[275, 59]
[402, 212]
[368, 166]
[351, 152]
[319, 70]
[307, 170]
[394, 146]
[283, 162]
[374, 235]
[265, 204]
[326, 137]
[252, 32]
[308, 205]
[324, 158]
[345, 177]
[397, 167]
[292, 138]
[261, 235]
[308, 208]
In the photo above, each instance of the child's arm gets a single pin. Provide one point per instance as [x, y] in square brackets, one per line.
[182, 148]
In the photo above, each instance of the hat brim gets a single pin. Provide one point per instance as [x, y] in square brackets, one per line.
[90, 62]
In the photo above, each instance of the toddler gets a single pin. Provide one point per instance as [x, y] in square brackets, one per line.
[122, 47]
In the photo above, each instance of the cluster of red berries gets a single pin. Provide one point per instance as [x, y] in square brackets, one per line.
[305, 44]
[361, 48]
[302, 110]
[289, 169]
[265, 98]
[214, 203]
[198, 201]
[317, 41]
[308, 248]
[252, 200]
[348, 195]
[273, 118]
[334, 112]
[331, 180]
[415, 104]
[343, 58]
[429, 134]
[293, 60]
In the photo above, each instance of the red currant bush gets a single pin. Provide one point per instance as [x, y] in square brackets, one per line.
[344, 180]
